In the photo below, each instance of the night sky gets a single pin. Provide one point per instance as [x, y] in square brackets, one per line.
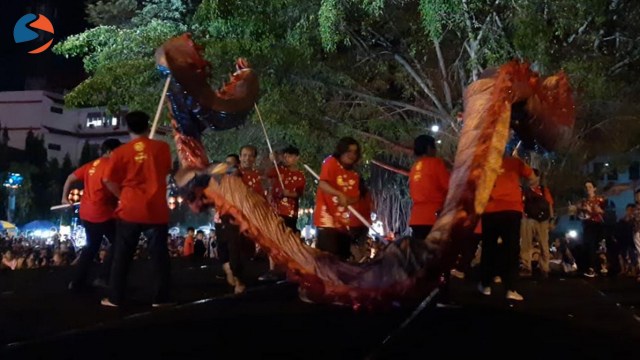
[16, 65]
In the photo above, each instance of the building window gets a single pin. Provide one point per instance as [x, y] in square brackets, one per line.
[101, 119]
[56, 110]
[55, 147]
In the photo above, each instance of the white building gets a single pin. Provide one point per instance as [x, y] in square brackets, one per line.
[64, 130]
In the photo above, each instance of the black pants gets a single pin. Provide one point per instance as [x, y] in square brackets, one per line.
[127, 236]
[95, 232]
[241, 251]
[466, 253]
[592, 234]
[291, 223]
[505, 225]
[334, 241]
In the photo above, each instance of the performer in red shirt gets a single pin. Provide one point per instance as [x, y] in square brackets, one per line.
[591, 212]
[241, 248]
[137, 175]
[96, 212]
[285, 202]
[187, 246]
[339, 187]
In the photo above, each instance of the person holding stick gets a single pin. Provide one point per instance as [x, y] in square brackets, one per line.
[338, 188]
[96, 212]
[137, 175]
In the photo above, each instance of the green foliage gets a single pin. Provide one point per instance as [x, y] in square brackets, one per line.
[333, 68]
[119, 59]
[438, 15]
[111, 12]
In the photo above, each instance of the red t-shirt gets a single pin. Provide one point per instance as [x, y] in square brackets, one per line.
[327, 212]
[253, 179]
[363, 207]
[293, 180]
[507, 193]
[141, 167]
[187, 248]
[98, 203]
[428, 187]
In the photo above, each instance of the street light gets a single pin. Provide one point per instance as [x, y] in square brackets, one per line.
[13, 182]
[435, 128]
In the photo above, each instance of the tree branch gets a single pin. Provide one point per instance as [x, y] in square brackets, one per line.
[430, 111]
[443, 71]
[389, 144]
[422, 84]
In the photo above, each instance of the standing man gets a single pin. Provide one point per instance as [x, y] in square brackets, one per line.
[96, 212]
[226, 231]
[591, 212]
[241, 248]
[285, 201]
[137, 175]
[501, 219]
[538, 210]
[428, 186]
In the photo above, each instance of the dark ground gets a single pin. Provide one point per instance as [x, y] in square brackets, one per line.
[570, 318]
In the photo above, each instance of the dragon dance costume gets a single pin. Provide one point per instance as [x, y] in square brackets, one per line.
[543, 113]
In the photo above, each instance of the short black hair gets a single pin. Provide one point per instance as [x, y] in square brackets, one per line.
[109, 145]
[137, 122]
[191, 228]
[291, 150]
[200, 232]
[422, 144]
[630, 205]
[250, 147]
[235, 156]
[637, 191]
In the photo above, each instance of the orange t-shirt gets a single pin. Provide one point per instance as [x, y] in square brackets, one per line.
[253, 179]
[98, 203]
[187, 248]
[507, 193]
[363, 207]
[293, 180]
[428, 187]
[141, 167]
[327, 212]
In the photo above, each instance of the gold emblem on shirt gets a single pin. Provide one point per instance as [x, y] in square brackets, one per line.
[92, 169]
[139, 146]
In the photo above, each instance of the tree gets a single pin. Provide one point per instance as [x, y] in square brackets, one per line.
[383, 70]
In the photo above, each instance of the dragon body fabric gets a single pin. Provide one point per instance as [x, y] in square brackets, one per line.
[403, 271]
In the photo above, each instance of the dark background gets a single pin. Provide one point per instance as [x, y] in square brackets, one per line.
[45, 71]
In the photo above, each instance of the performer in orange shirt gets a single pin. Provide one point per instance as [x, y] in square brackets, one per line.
[428, 186]
[96, 212]
[339, 187]
[137, 175]
[501, 219]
